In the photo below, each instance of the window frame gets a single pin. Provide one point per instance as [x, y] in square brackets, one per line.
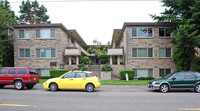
[25, 53]
[45, 49]
[147, 52]
[142, 37]
[165, 71]
[51, 36]
[164, 33]
[165, 50]
[136, 74]
[24, 34]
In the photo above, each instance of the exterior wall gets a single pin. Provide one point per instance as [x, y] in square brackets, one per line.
[115, 71]
[58, 43]
[154, 63]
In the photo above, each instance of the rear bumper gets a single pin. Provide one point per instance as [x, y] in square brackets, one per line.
[155, 87]
[33, 82]
[97, 85]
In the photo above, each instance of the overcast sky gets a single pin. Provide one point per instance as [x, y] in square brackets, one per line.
[96, 19]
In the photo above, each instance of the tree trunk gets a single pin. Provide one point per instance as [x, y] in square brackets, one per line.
[192, 62]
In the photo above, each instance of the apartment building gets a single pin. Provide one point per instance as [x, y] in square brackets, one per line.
[46, 46]
[144, 47]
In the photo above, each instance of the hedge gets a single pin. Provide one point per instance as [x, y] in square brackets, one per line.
[123, 74]
[58, 72]
[145, 78]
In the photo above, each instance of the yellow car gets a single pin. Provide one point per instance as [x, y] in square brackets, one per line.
[73, 80]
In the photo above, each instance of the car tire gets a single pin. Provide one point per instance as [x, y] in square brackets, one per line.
[1, 85]
[30, 86]
[53, 87]
[197, 88]
[164, 88]
[19, 85]
[89, 88]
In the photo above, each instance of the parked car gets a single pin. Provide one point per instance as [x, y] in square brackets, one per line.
[179, 80]
[20, 77]
[74, 80]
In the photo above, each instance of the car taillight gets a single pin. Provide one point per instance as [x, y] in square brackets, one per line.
[92, 74]
[29, 79]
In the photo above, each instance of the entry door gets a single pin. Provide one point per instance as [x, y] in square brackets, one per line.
[190, 80]
[67, 82]
[178, 81]
[3, 76]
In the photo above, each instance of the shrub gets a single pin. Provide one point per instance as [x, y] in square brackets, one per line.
[106, 68]
[84, 60]
[145, 78]
[103, 58]
[58, 72]
[45, 77]
[123, 74]
[82, 67]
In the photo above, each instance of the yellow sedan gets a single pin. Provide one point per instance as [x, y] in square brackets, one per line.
[73, 80]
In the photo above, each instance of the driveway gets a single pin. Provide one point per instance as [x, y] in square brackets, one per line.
[106, 98]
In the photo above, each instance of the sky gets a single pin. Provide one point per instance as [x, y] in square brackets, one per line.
[96, 19]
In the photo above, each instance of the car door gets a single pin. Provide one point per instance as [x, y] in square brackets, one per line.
[178, 80]
[67, 81]
[3, 76]
[11, 75]
[190, 80]
[80, 80]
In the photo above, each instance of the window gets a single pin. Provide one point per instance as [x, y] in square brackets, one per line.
[89, 75]
[69, 75]
[196, 74]
[165, 52]
[190, 76]
[24, 34]
[33, 72]
[164, 72]
[22, 71]
[80, 74]
[142, 52]
[3, 71]
[12, 71]
[143, 72]
[46, 53]
[24, 52]
[180, 76]
[164, 32]
[43, 72]
[45, 33]
[142, 32]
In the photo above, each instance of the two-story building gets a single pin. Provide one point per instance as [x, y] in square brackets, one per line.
[144, 47]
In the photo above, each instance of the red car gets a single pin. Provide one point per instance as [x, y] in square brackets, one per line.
[20, 77]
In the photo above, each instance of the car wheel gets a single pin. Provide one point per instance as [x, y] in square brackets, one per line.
[53, 87]
[89, 87]
[30, 86]
[19, 85]
[197, 88]
[1, 85]
[164, 88]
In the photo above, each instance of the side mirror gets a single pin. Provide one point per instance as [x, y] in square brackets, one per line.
[173, 78]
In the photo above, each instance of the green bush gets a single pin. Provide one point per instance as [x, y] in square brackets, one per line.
[123, 74]
[82, 67]
[145, 78]
[84, 60]
[58, 72]
[106, 68]
[45, 77]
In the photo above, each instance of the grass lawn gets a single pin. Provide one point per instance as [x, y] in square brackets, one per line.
[42, 80]
[117, 82]
[124, 82]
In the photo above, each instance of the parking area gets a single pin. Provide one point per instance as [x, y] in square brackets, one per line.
[108, 97]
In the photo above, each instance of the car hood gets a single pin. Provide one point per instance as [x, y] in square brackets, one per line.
[151, 81]
[53, 79]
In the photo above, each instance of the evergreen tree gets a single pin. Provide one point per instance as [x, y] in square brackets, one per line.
[7, 18]
[32, 13]
[184, 16]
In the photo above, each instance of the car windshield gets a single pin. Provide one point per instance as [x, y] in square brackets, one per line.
[168, 76]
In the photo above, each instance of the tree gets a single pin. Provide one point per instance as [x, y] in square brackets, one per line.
[183, 15]
[7, 18]
[32, 13]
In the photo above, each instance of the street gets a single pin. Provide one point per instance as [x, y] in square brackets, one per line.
[106, 98]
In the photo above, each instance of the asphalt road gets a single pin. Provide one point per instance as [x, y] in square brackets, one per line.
[106, 98]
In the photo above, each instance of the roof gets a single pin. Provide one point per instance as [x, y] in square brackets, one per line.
[73, 33]
[118, 33]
